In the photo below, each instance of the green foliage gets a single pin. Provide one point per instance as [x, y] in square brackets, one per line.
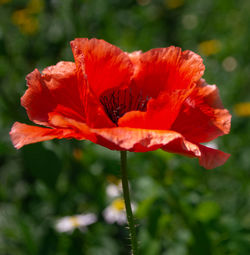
[181, 208]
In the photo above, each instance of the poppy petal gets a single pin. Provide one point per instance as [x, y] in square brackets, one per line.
[135, 59]
[211, 158]
[37, 99]
[137, 140]
[105, 65]
[96, 116]
[208, 157]
[57, 88]
[80, 130]
[62, 81]
[167, 68]
[183, 147]
[134, 119]
[202, 117]
[22, 134]
[142, 140]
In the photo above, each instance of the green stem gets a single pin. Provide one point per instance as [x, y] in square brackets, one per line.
[126, 196]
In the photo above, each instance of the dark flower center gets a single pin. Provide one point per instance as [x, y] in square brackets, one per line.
[117, 102]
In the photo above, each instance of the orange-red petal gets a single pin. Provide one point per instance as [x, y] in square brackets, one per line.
[37, 99]
[166, 69]
[202, 117]
[105, 65]
[96, 116]
[137, 140]
[62, 81]
[211, 158]
[142, 140]
[80, 130]
[22, 134]
[56, 88]
[208, 158]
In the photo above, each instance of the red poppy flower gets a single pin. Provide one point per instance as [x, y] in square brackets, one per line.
[137, 102]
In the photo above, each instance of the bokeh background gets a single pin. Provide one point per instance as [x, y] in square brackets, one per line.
[182, 209]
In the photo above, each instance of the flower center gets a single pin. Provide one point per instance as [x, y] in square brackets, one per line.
[74, 221]
[118, 204]
[117, 102]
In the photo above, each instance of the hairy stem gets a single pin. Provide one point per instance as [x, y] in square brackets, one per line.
[126, 196]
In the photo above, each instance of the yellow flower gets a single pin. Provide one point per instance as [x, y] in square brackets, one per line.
[26, 23]
[209, 47]
[25, 18]
[115, 212]
[242, 109]
[118, 204]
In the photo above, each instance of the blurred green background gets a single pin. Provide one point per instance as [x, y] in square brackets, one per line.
[181, 207]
